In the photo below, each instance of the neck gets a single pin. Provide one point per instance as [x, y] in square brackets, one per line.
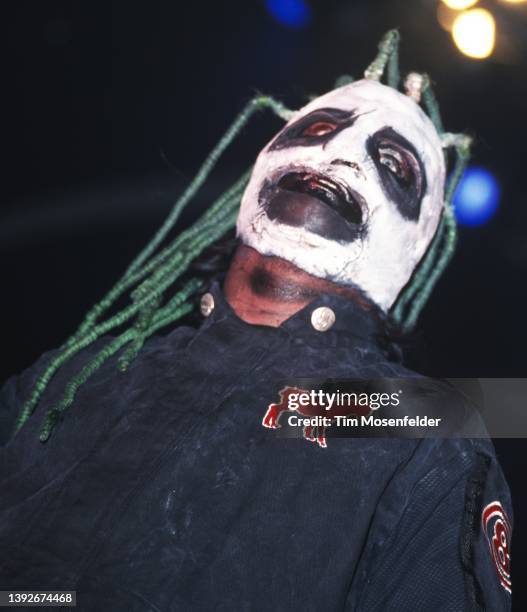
[265, 290]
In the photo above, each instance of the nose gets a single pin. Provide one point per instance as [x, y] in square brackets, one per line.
[344, 162]
[349, 164]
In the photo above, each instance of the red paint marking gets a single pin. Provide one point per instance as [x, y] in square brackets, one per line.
[497, 529]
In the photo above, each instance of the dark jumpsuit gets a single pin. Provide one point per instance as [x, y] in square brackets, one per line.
[160, 489]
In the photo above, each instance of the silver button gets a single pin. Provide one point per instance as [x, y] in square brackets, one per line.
[206, 304]
[322, 318]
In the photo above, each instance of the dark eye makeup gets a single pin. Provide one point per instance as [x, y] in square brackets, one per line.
[400, 169]
[316, 128]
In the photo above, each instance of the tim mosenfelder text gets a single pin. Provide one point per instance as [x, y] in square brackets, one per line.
[303, 402]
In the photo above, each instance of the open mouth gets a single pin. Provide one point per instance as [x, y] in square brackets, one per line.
[315, 202]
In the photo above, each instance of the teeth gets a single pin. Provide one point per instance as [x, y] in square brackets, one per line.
[328, 184]
[326, 190]
[319, 184]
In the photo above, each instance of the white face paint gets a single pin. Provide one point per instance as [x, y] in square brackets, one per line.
[351, 190]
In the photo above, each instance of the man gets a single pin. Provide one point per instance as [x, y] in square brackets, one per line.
[161, 490]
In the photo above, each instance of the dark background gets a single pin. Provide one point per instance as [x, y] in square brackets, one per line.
[112, 105]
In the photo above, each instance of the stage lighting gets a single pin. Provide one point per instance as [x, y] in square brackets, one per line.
[446, 16]
[474, 33]
[477, 197]
[290, 13]
[459, 5]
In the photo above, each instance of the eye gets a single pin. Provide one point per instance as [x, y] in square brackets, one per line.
[319, 128]
[397, 162]
[400, 170]
[314, 129]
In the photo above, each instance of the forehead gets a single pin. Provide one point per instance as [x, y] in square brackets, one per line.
[380, 106]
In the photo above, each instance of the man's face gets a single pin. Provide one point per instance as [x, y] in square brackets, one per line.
[351, 190]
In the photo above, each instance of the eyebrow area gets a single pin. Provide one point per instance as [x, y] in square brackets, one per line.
[292, 135]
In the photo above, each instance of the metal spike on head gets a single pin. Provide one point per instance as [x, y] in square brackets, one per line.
[414, 84]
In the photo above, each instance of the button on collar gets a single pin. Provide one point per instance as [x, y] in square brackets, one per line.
[207, 304]
[352, 323]
[323, 318]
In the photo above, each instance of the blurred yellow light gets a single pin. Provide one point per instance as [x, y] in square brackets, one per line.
[446, 17]
[474, 33]
[513, 1]
[461, 5]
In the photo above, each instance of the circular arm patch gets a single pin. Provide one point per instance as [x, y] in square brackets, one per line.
[497, 530]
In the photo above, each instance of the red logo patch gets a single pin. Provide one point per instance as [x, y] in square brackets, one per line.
[312, 432]
[497, 529]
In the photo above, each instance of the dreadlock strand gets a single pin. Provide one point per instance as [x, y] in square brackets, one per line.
[53, 414]
[444, 258]
[179, 263]
[432, 107]
[142, 323]
[420, 274]
[43, 380]
[387, 46]
[162, 318]
[257, 103]
[169, 317]
[444, 242]
[174, 310]
[165, 276]
[394, 75]
[146, 319]
[462, 148]
[220, 207]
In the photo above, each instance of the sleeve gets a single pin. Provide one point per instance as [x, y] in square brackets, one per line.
[448, 548]
[487, 535]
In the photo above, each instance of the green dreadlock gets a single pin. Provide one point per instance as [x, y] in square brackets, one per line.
[149, 277]
[154, 272]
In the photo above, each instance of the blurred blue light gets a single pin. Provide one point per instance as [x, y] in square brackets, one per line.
[477, 197]
[290, 13]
